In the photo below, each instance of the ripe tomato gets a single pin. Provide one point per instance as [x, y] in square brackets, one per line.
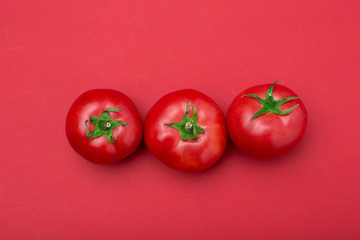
[266, 121]
[186, 130]
[104, 126]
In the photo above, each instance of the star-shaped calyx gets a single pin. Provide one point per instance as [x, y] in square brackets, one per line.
[270, 105]
[104, 125]
[188, 127]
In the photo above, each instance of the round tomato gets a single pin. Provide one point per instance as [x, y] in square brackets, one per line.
[104, 126]
[186, 130]
[266, 121]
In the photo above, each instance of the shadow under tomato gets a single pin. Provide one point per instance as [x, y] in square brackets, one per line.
[287, 158]
[131, 158]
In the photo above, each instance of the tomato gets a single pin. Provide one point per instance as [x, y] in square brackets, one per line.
[266, 121]
[104, 126]
[186, 130]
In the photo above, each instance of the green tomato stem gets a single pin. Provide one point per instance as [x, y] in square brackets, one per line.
[188, 127]
[104, 125]
[270, 105]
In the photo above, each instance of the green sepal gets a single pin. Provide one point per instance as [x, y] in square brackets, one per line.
[270, 105]
[104, 125]
[188, 127]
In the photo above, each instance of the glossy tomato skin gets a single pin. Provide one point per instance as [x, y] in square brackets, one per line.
[165, 143]
[99, 150]
[269, 135]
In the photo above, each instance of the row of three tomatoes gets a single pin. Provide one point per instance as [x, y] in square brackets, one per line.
[186, 129]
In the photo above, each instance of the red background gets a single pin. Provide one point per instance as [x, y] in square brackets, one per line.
[52, 51]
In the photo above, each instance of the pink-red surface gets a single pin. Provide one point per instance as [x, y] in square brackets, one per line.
[52, 51]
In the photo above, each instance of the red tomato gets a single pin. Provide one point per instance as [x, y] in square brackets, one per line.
[104, 126]
[186, 130]
[266, 121]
